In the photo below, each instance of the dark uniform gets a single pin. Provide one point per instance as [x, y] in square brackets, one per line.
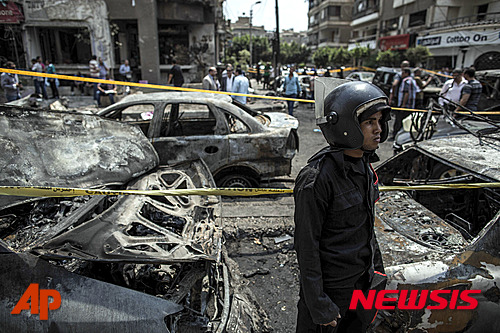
[334, 239]
[335, 195]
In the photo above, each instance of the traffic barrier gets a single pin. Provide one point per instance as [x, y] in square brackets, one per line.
[46, 191]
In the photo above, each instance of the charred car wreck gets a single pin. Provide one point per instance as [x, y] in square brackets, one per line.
[445, 239]
[120, 263]
[241, 147]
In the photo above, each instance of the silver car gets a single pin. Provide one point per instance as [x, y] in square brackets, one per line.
[241, 147]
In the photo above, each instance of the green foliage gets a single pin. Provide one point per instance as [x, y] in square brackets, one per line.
[244, 57]
[340, 56]
[322, 56]
[293, 53]
[388, 58]
[417, 55]
[360, 55]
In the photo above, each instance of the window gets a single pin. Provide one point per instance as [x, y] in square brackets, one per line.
[139, 115]
[65, 45]
[334, 11]
[417, 18]
[235, 125]
[189, 119]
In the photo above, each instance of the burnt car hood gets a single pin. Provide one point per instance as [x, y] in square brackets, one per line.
[42, 148]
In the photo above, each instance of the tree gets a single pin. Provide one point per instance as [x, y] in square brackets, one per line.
[388, 58]
[417, 55]
[341, 56]
[360, 54]
[322, 56]
[293, 53]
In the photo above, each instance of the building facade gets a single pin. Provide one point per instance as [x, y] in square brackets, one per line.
[329, 23]
[149, 33]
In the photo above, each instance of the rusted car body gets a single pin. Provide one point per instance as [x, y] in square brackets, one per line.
[442, 240]
[120, 263]
[240, 149]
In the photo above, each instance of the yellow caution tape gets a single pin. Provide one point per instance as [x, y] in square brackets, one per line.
[42, 191]
[146, 85]
[156, 86]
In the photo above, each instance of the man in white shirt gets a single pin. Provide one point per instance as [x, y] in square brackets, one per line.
[240, 85]
[452, 88]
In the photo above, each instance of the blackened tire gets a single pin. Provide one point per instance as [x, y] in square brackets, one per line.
[237, 181]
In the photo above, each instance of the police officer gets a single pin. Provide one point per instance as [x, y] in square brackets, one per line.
[335, 194]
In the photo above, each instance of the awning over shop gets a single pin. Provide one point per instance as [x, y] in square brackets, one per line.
[10, 12]
[399, 42]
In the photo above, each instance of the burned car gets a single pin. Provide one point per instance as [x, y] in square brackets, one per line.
[151, 263]
[240, 149]
[444, 240]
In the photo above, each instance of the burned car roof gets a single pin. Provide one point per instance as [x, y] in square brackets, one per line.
[442, 239]
[62, 149]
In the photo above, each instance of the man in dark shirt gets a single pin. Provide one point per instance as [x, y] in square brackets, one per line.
[335, 194]
[176, 74]
[471, 92]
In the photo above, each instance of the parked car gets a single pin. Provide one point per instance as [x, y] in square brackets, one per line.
[240, 148]
[361, 76]
[384, 77]
[444, 240]
[119, 263]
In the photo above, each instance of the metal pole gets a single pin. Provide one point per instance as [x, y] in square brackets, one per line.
[277, 55]
[251, 59]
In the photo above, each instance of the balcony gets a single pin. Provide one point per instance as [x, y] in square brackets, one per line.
[486, 18]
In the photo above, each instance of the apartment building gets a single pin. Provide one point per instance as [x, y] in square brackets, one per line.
[329, 23]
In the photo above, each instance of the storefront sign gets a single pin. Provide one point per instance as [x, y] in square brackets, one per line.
[372, 44]
[460, 38]
[399, 42]
[10, 13]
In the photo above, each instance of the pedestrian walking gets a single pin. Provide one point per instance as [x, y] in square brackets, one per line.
[452, 90]
[407, 94]
[396, 82]
[94, 73]
[240, 85]
[291, 88]
[210, 81]
[51, 69]
[335, 195]
[103, 69]
[125, 71]
[106, 89]
[175, 74]
[228, 79]
[421, 84]
[10, 83]
[39, 81]
[471, 92]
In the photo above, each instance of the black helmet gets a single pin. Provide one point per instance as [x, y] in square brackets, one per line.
[342, 108]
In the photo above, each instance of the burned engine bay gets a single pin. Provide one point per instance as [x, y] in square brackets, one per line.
[120, 263]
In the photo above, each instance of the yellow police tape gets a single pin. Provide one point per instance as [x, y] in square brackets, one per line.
[42, 191]
[156, 86]
[146, 85]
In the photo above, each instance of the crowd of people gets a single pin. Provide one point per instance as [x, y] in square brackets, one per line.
[407, 92]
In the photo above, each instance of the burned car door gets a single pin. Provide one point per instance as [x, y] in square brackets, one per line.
[190, 131]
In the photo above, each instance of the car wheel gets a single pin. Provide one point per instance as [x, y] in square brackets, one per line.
[237, 181]
[442, 171]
